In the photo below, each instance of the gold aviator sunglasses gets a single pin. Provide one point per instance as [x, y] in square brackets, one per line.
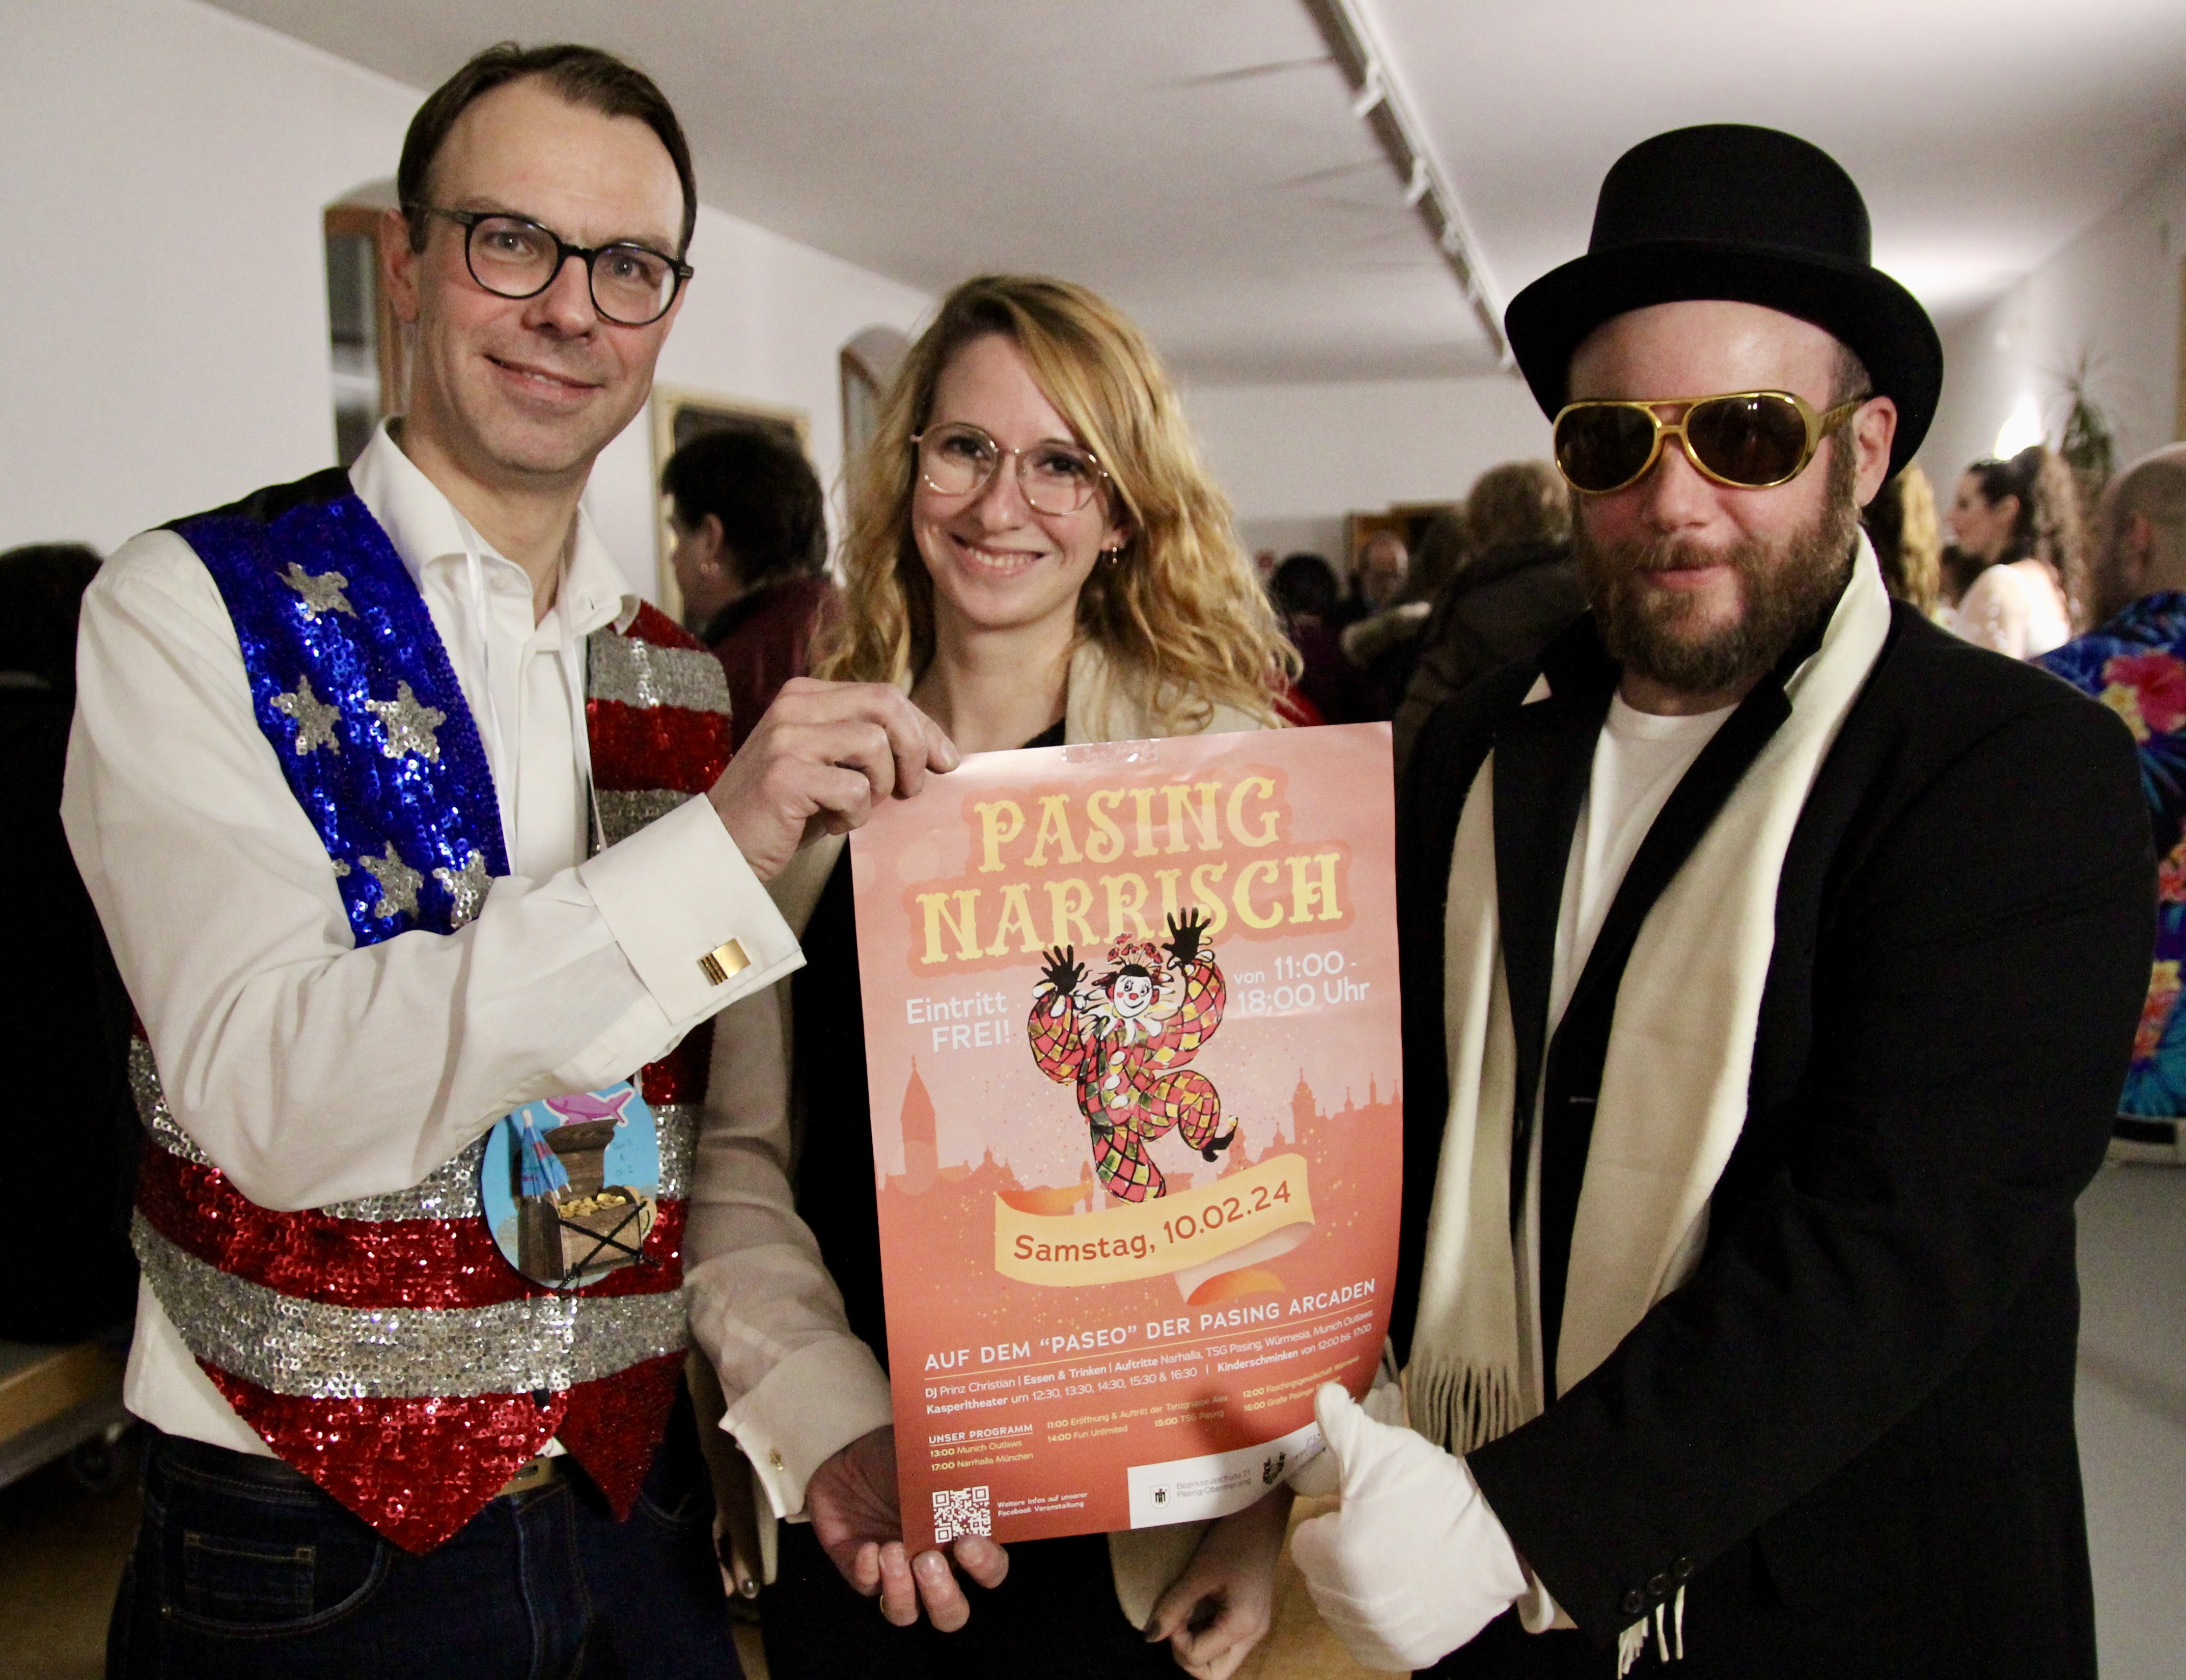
[1746, 440]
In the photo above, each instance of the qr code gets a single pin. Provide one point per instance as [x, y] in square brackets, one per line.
[960, 1510]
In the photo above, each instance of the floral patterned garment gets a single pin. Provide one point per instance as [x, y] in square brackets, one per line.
[2136, 665]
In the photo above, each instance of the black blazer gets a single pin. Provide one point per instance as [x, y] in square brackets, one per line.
[1850, 1434]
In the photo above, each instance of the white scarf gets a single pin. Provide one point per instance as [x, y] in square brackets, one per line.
[1673, 1089]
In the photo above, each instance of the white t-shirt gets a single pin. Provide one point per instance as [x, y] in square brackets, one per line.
[1638, 764]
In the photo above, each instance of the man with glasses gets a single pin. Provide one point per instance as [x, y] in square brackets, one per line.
[419, 843]
[1770, 960]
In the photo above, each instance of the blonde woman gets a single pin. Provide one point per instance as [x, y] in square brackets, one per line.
[1909, 541]
[1036, 555]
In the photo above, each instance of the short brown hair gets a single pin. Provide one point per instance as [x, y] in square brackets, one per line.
[1518, 502]
[583, 76]
[773, 515]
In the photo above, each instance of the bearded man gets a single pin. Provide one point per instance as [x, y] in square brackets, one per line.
[1770, 960]
[2135, 662]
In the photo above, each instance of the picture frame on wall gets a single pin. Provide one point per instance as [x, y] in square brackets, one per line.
[682, 413]
[1408, 519]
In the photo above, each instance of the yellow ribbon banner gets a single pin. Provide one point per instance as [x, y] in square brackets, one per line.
[1256, 1209]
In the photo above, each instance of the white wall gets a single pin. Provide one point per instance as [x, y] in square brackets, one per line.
[765, 320]
[1295, 459]
[2113, 291]
[165, 304]
[166, 166]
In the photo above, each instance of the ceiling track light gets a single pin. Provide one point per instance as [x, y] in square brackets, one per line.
[1378, 103]
[1371, 91]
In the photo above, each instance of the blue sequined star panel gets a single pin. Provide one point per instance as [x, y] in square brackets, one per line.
[351, 685]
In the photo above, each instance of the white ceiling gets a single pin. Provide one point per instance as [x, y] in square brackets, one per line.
[1983, 133]
[1198, 160]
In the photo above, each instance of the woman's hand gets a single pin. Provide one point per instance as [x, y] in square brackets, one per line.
[1223, 1602]
[852, 1500]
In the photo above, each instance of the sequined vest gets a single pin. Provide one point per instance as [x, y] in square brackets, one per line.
[382, 1345]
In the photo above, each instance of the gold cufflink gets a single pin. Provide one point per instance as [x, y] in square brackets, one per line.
[723, 960]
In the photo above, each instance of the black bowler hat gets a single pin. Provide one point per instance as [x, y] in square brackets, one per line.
[1726, 210]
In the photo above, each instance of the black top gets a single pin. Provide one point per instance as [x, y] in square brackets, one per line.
[63, 1017]
[837, 1180]
[1850, 1434]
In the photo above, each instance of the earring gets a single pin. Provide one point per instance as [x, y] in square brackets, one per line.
[1111, 555]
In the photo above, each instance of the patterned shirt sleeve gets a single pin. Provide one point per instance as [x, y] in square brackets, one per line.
[1053, 1030]
[1198, 1013]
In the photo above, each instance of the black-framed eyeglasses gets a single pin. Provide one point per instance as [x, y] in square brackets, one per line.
[961, 460]
[513, 256]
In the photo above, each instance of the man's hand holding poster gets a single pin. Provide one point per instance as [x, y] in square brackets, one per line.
[1131, 1023]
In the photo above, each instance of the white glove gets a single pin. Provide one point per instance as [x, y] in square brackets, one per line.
[1413, 1563]
[1317, 1474]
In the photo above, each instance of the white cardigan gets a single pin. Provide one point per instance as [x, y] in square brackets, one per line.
[799, 1387]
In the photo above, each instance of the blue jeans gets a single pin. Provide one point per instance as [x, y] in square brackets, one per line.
[240, 1572]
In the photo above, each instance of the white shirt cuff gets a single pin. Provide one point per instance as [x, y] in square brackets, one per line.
[1537, 1609]
[677, 892]
[813, 1404]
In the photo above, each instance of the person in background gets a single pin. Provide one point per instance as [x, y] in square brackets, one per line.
[2135, 664]
[1377, 576]
[61, 1001]
[1304, 590]
[2019, 520]
[1955, 572]
[1901, 523]
[1384, 646]
[1519, 589]
[1036, 554]
[750, 558]
[1444, 549]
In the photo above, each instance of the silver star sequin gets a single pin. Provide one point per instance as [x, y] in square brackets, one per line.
[467, 887]
[318, 593]
[407, 725]
[315, 718]
[398, 884]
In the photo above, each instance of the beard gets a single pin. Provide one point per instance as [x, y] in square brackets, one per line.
[1784, 586]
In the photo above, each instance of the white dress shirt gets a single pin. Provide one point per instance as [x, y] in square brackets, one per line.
[311, 1071]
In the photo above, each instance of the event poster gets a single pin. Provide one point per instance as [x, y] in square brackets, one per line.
[1131, 1029]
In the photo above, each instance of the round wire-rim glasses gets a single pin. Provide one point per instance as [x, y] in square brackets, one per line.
[1056, 478]
[632, 285]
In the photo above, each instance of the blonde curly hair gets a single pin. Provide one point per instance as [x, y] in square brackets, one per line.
[1179, 611]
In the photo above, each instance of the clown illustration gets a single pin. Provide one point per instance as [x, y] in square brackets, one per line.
[1127, 1056]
